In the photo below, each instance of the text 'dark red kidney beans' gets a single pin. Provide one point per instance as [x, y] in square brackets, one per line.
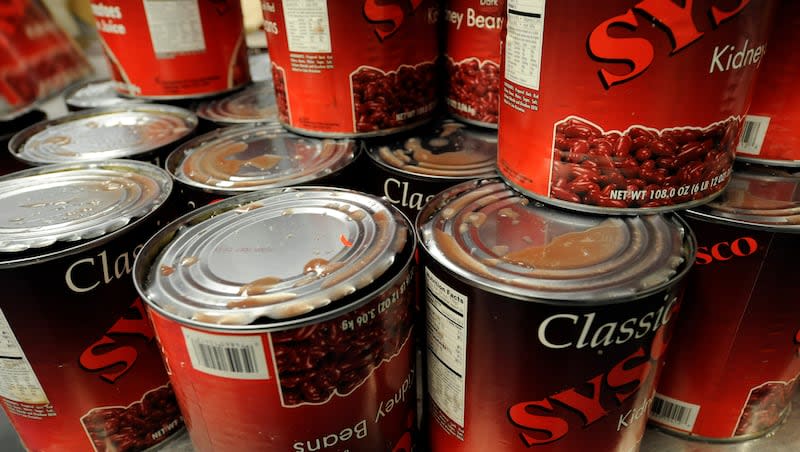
[740, 299]
[772, 125]
[353, 67]
[472, 57]
[81, 369]
[184, 48]
[593, 116]
[511, 296]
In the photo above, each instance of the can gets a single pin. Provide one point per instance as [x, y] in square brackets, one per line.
[353, 67]
[545, 328]
[142, 132]
[409, 169]
[95, 94]
[240, 159]
[184, 48]
[472, 57]
[37, 58]
[772, 124]
[628, 107]
[298, 299]
[737, 382]
[253, 104]
[81, 370]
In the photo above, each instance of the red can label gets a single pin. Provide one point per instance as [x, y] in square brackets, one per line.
[36, 57]
[772, 125]
[353, 66]
[347, 383]
[185, 48]
[735, 361]
[626, 104]
[473, 58]
[81, 369]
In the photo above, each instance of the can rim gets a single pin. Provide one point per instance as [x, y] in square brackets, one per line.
[153, 247]
[207, 109]
[70, 92]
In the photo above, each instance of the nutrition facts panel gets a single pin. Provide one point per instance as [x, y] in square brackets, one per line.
[446, 325]
[523, 52]
[175, 27]
[17, 380]
[307, 27]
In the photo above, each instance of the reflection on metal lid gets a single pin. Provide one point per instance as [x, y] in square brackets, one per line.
[447, 149]
[253, 104]
[252, 157]
[102, 134]
[488, 233]
[276, 254]
[65, 203]
[96, 93]
[758, 196]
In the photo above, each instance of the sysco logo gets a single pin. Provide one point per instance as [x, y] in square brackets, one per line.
[725, 251]
[674, 18]
[389, 15]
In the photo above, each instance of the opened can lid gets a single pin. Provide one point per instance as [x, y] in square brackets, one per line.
[493, 236]
[274, 254]
[253, 157]
[96, 93]
[253, 104]
[757, 196]
[67, 203]
[102, 134]
[447, 149]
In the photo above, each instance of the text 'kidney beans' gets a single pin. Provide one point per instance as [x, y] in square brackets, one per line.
[641, 167]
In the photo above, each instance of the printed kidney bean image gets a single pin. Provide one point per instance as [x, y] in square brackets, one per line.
[765, 406]
[388, 100]
[473, 91]
[281, 100]
[642, 167]
[137, 427]
[334, 357]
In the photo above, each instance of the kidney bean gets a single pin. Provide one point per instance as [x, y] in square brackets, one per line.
[623, 146]
[643, 154]
[564, 194]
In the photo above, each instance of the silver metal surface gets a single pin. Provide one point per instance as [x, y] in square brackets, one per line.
[96, 93]
[102, 134]
[489, 234]
[447, 150]
[276, 254]
[42, 206]
[253, 104]
[247, 158]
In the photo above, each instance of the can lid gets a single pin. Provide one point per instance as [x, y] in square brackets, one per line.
[72, 202]
[277, 254]
[495, 237]
[96, 93]
[759, 197]
[102, 133]
[446, 149]
[253, 157]
[253, 104]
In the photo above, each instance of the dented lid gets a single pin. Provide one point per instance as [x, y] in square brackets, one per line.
[254, 157]
[274, 254]
[493, 236]
[96, 93]
[40, 207]
[253, 104]
[448, 149]
[102, 134]
[757, 196]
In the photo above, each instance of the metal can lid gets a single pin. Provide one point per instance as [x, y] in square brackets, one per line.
[496, 238]
[446, 149]
[757, 196]
[71, 202]
[274, 254]
[254, 157]
[102, 134]
[253, 104]
[96, 93]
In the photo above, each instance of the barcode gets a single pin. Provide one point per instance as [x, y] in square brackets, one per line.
[227, 356]
[674, 413]
[753, 133]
